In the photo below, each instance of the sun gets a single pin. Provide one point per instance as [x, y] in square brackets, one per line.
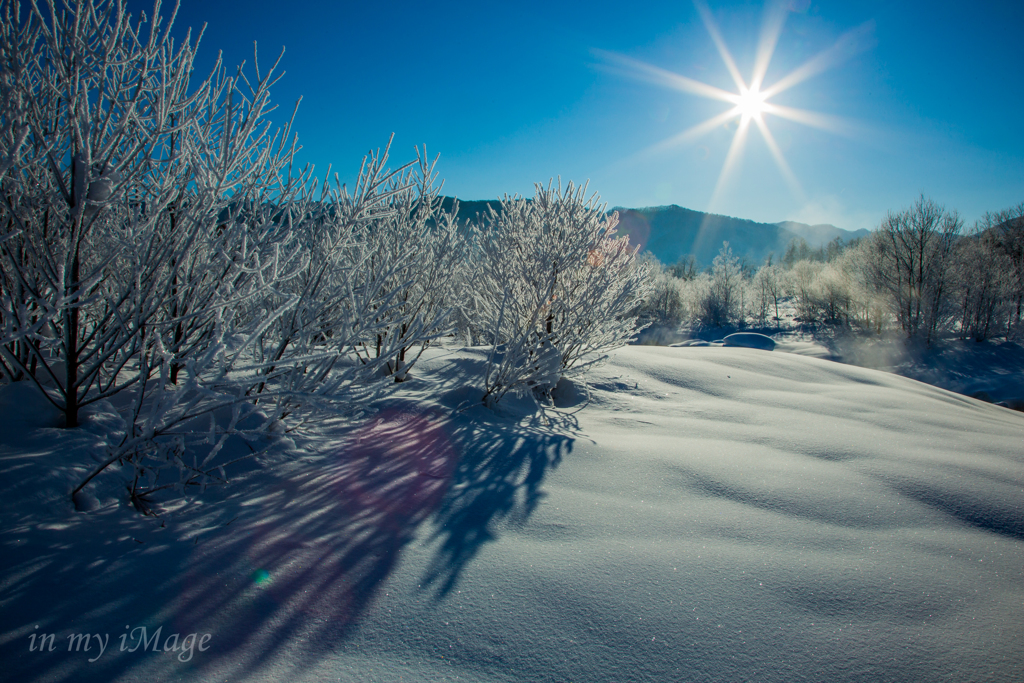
[750, 101]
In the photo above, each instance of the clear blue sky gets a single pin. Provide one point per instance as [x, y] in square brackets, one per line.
[932, 95]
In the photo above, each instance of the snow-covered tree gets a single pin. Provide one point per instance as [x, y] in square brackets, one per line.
[982, 284]
[912, 254]
[721, 302]
[560, 288]
[1007, 228]
[142, 219]
[802, 286]
[107, 109]
[768, 290]
[835, 295]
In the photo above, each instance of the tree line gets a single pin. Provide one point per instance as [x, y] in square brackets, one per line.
[920, 272]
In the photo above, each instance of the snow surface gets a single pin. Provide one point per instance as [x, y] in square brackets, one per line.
[695, 514]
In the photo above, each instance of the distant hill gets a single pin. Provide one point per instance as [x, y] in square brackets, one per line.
[472, 209]
[821, 234]
[672, 232]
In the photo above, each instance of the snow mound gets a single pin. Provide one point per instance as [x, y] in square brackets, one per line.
[568, 394]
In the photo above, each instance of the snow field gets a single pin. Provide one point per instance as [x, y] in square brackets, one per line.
[710, 514]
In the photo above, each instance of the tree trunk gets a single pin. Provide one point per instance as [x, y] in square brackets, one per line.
[71, 321]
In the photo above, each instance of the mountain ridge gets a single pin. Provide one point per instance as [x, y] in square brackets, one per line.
[672, 232]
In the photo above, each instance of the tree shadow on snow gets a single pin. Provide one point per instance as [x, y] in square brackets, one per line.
[286, 564]
[498, 478]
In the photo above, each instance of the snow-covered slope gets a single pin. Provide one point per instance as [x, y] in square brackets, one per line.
[709, 514]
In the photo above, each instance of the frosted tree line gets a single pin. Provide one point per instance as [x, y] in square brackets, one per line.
[921, 272]
[162, 251]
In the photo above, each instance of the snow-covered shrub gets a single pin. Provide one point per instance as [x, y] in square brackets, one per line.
[286, 352]
[559, 288]
[314, 322]
[469, 305]
[146, 207]
[414, 253]
[162, 251]
[822, 291]
[664, 304]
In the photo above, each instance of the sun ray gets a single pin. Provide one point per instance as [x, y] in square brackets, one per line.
[693, 133]
[716, 36]
[780, 159]
[832, 124]
[774, 20]
[662, 77]
[688, 135]
[849, 44]
[735, 150]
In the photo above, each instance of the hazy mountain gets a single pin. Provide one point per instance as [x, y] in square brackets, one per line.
[821, 234]
[672, 232]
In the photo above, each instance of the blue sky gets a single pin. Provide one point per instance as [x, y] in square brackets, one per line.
[929, 93]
